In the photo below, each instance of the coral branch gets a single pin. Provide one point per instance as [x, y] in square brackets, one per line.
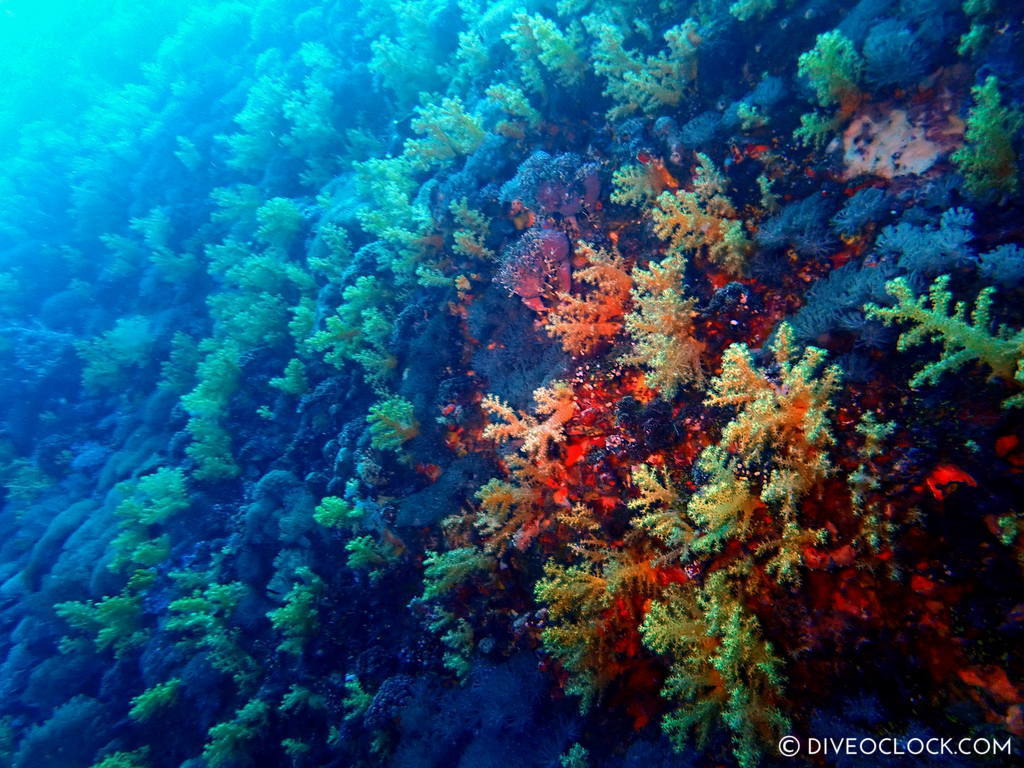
[964, 339]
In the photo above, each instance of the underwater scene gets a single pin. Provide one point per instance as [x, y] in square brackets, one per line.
[534, 384]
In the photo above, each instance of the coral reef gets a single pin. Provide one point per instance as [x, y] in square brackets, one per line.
[457, 384]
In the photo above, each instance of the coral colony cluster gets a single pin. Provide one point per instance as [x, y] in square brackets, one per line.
[455, 383]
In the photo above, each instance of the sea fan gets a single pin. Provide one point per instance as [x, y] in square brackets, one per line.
[929, 251]
[894, 55]
[865, 206]
[1003, 266]
[802, 225]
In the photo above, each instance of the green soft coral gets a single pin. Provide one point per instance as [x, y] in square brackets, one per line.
[312, 110]
[261, 124]
[360, 331]
[744, 10]
[154, 498]
[114, 622]
[230, 741]
[443, 574]
[203, 619]
[833, 68]
[147, 504]
[365, 553]
[576, 757]
[280, 222]
[293, 380]
[155, 699]
[211, 443]
[392, 423]
[988, 160]
[335, 512]
[815, 128]
[357, 699]
[177, 372]
[866, 499]
[392, 212]
[407, 58]
[109, 357]
[218, 378]
[211, 450]
[722, 669]
[299, 698]
[135, 759]
[443, 571]
[297, 618]
[965, 338]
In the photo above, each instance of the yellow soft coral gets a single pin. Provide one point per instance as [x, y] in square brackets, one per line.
[771, 454]
[724, 506]
[865, 500]
[447, 131]
[639, 183]
[520, 115]
[787, 415]
[469, 239]
[635, 82]
[631, 185]
[575, 598]
[541, 47]
[703, 221]
[660, 509]
[722, 668]
[581, 633]
[662, 327]
[506, 513]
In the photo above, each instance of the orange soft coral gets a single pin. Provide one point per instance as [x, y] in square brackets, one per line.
[513, 511]
[581, 323]
[594, 611]
[509, 511]
[555, 403]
